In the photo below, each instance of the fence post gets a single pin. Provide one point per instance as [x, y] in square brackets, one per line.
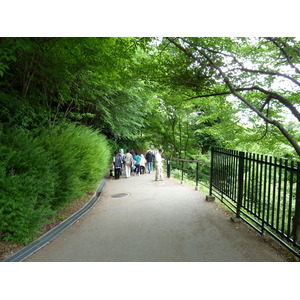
[182, 172]
[168, 168]
[211, 171]
[296, 222]
[197, 177]
[240, 183]
[210, 197]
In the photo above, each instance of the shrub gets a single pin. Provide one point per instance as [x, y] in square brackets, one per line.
[42, 172]
[80, 156]
[27, 184]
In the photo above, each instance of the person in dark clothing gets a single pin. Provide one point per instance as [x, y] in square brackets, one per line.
[149, 158]
[117, 164]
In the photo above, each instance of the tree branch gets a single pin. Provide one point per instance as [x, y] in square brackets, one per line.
[284, 53]
[271, 95]
[271, 73]
[242, 68]
[235, 92]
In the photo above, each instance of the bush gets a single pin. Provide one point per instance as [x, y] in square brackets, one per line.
[27, 184]
[41, 173]
[80, 157]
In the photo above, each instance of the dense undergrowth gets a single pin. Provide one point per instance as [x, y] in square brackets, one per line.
[42, 171]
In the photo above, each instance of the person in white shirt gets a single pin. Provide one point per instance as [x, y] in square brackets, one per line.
[127, 160]
[159, 165]
[143, 164]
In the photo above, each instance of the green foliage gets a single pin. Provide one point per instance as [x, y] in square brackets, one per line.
[139, 92]
[27, 183]
[80, 156]
[21, 113]
[41, 172]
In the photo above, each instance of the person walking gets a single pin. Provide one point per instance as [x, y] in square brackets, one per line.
[121, 152]
[159, 165]
[117, 164]
[133, 162]
[127, 160]
[149, 158]
[143, 164]
[137, 159]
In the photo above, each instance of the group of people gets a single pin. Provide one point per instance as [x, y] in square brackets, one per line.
[134, 163]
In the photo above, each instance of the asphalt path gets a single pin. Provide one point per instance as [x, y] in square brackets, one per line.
[142, 220]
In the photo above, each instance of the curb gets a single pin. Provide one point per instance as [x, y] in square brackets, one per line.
[53, 233]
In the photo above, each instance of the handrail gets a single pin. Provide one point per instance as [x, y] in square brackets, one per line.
[190, 160]
[197, 174]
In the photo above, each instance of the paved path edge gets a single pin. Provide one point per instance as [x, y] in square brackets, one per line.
[53, 233]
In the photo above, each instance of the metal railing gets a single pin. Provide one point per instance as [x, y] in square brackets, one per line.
[193, 170]
[262, 190]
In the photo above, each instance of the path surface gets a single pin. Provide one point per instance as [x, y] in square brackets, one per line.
[158, 221]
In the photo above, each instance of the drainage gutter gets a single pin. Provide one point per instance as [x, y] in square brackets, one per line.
[53, 233]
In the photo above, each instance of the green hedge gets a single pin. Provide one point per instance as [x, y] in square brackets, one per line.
[80, 158]
[40, 173]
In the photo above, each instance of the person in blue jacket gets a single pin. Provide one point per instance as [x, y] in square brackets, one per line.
[137, 159]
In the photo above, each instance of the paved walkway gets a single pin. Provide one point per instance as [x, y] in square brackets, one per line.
[156, 221]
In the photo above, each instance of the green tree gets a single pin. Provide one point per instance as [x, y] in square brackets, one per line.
[251, 70]
[179, 122]
[86, 80]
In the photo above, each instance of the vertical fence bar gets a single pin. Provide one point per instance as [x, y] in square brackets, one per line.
[297, 208]
[269, 190]
[246, 168]
[260, 185]
[285, 180]
[168, 168]
[240, 183]
[274, 192]
[197, 176]
[214, 176]
[264, 195]
[224, 173]
[221, 172]
[227, 173]
[256, 185]
[182, 172]
[211, 175]
[249, 181]
[231, 174]
[279, 194]
[234, 177]
[219, 168]
[290, 200]
[252, 182]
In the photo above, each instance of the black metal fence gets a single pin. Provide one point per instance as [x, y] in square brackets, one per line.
[262, 190]
[193, 170]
